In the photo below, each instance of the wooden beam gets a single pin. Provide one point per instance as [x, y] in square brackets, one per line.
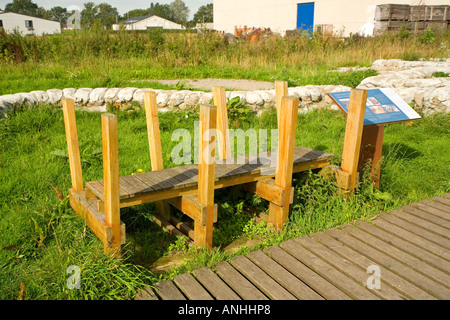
[278, 215]
[371, 151]
[110, 140]
[267, 190]
[191, 206]
[72, 144]
[154, 140]
[223, 138]
[281, 90]
[353, 135]
[206, 170]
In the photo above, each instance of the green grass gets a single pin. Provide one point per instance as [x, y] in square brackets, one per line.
[42, 236]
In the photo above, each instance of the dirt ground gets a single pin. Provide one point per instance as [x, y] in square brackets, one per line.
[231, 84]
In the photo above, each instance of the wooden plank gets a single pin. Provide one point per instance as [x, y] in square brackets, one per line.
[432, 210]
[413, 238]
[123, 192]
[343, 282]
[267, 190]
[442, 200]
[323, 287]
[146, 294]
[346, 267]
[223, 138]
[190, 206]
[72, 144]
[410, 248]
[387, 262]
[434, 275]
[417, 230]
[403, 286]
[206, 175]
[283, 277]
[244, 288]
[214, 284]
[281, 90]
[278, 214]
[371, 151]
[443, 232]
[168, 291]
[353, 134]
[138, 184]
[191, 288]
[427, 216]
[189, 175]
[434, 206]
[260, 279]
[110, 140]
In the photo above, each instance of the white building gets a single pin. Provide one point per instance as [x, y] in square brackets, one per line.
[346, 16]
[10, 21]
[149, 22]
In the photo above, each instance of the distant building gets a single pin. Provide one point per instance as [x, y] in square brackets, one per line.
[10, 21]
[339, 16]
[149, 22]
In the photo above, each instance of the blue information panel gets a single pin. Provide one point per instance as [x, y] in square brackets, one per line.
[383, 106]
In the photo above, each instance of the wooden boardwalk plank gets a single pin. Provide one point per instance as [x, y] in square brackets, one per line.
[442, 200]
[417, 230]
[343, 282]
[244, 288]
[260, 279]
[408, 247]
[381, 259]
[432, 210]
[387, 277]
[386, 262]
[283, 277]
[346, 267]
[440, 278]
[146, 294]
[214, 284]
[443, 232]
[168, 291]
[441, 206]
[323, 287]
[413, 238]
[427, 216]
[191, 288]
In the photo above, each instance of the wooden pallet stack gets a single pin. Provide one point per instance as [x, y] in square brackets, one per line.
[392, 17]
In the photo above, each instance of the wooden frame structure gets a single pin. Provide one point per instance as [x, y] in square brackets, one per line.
[190, 188]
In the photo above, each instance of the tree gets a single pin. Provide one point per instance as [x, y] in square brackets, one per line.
[26, 7]
[88, 15]
[135, 13]
[161, 10]
[204, 14]
[106, 14]
[180, 11]
[43, 13]
[59, 14]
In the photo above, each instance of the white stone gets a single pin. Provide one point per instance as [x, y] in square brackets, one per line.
[253, 98]
[126, 94]
[41, 96]
[192, 99]
[163, 98]
[97, 96]
[82, 95]
[69, 93]
[111, 95]
[54, 95]
[206, 98]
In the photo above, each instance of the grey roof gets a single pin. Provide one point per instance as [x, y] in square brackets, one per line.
[136, 19]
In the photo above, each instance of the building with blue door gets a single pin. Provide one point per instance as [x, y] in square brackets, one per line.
[341, 17]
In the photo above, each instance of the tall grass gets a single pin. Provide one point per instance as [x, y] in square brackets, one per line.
[111, 59]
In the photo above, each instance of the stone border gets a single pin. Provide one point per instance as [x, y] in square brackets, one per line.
[410, 79]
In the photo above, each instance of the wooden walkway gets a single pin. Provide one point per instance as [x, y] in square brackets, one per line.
[411, 248]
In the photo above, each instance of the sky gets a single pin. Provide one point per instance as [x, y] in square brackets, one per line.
[122, 6]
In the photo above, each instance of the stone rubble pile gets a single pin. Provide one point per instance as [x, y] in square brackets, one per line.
[412, 80]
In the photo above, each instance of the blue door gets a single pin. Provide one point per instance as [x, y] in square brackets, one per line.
[305, 16]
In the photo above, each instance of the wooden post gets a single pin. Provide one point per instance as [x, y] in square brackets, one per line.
[111, 178]
[371, 150]
[220, 100]
[206, 170]
[281, 90]
[72, 145]
[154, 140]
[278, 215]
[353, 136]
